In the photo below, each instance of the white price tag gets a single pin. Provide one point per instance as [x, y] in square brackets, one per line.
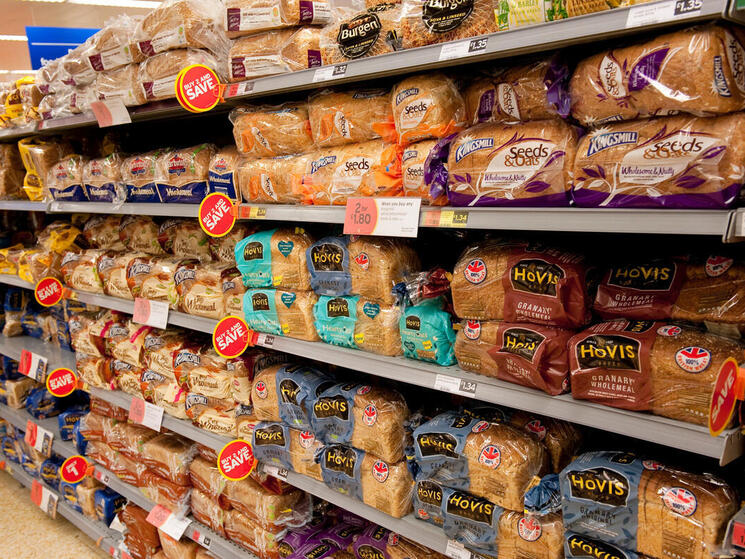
[326, 73]
[244, 88]
[45, 499]
[648, 14]
[38, 438]
[276, 471]
[454, 385]
[100, 476]
[32, 365]
[110, 112]
[145, 413]
[463, 48]
[202, 539]
[456, 550]
[265, 340]
[389, 217]
[160, 517]
[117, 524]
[152, 313]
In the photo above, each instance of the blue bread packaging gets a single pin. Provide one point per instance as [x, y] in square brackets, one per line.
[108, 503]
[427, 332]
[271, 444]
[335, 319]
[67, 421]
[50, 471]
[328, 264]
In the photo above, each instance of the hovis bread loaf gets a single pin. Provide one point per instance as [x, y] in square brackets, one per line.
[494, 461]
[427, 106]
[64, 180]
[274, 258]
[269, 131]
[671, 162]
[667, 369]
[413, 179]
[523, 353]
[425, 22]
[578, 546]
[157, 74]
[349, 117]
[184, 238]
[649, 508]
[303, 448]
[712, 291]
[223, 173]
[524, 164]
[695, 70]
[139, 174]
[122, 83]
[246, 17]
[182, 175]
[535, 91]
[427, 332]
[102, 179]
[518, 282]
[140, 234]
[103, 232]
[366, 169]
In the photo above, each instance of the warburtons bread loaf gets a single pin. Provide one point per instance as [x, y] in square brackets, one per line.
[427, 106]
[140, 234]
[182, 175]
[274, 258]
[518, 282]
[413, 173]
[348, 117]
[649, 508]
[524, 164]
[667, 369]
[425, 22]
[269, 131]
[694, 70]
[276, 180]
[672, 162]
[354, 34]
[246, 17]
[523, 353]
[157, 74]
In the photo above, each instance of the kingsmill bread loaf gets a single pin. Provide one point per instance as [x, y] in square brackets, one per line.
[103, 232]
[269, 131]
[199, 287]
[276, 180]
[140, 234]
[414, 184]
[112, 269]
[184, 238]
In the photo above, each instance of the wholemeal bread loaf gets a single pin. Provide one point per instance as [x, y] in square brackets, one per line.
[246, 17]
[154, 278]
[675, 162]
[222, 249]
[103, 232]
[274, 258]
[519, 283]
[376, 265]
[112, 269]
[139, 174]
[427, 106]
[276, 180]
[711, 291]
[199, 288]
[424, 22]
[356, 34]
[258, 55]
[140, 234]
[157, 75]
[268, 510]
[80, 270]
[523, 353]
[269, 131]
[413, 173]
[121, 83]
[302, 50]
[184, 238]
[102, 180]
[223, 173]
[65, 179]
[182, 175]
[693, 70]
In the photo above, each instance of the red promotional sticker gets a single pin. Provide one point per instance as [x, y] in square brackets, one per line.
[61, 382]
[216, 215]
[236, 460]
[230, 337]
[48, 291]
[74, 469]
[361, 216]
[727, 390]
[198, 88]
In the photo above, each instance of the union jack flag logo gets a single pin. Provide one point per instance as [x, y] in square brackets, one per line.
[693, 359]
[380, 471]
[680, 500]
[475, 272]
[370, 415]
[490, 456]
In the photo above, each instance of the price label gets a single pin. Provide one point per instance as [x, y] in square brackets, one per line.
[276, 471]
[110, 112]
[39, 438]
[101, 476]
[202, 539]
[160, 517]
[74, 469]
[152, 313]
[45, 499]
[238, 89]
[330, 73]
[690, 7]
[463, 48]
[390, 217]
[145, 413]
[728, 388]
[445, 218]
[61, 382]
[262, 339]
[117, 524]
[738, 534]
[236, 460]
[48, 291]
[197, 88]
[32, 365]
[660, 12]
[230, 337]
[456, 550]
[216, 215]
[454, 385]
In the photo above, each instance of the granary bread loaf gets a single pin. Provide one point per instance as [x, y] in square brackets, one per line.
[424, 22]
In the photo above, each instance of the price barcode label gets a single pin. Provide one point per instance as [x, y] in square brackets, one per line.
[100, 476]
[160, 517]
[265, 340]
[276, 471]
[202, 539]
[32, 365]
[145, 413]
[152, 313]
[688, 7]
[456, 550]
[389, 217]
[330, 73]
[38, 438]
[660, 12]
[463, 48]
[454, 385]
[45, 499]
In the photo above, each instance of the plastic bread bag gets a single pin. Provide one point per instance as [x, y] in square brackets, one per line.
[199, 287]
[171, 397]
[425, 22]
[168, 455]
[692, 510]
[206, 477]
[111, 47]
[157, 74]
[274, 258]
[122, 83]
[494, 461]
[662, 76]
[276, 180]
[112, 269]
[259, 55]
[164, 492]
[105, 409]
[366, 169]
[125, 437]
[351, 321]
[356, 34]
[212, 414]
[523, 353]
[223, 173]
[77, 66]
[385, 486]
[413, 169]
[427, 333]
[84, 333]
[140, 234]
[93, 370]
[241, 529]
[140, 549]
[233, 292]
[524, 283]
[535, 91]
[246, 17]
[347, 117]
[215, 376]
[664, 368]
[303, 448]
[125, 342]
[269, 131]
[222, 249]
[160, 347]
[38, 157]
[182, 174]
[80, 270]
[281, 312]
[669, 162]
[65, 179]
[176, 24]
[154, 278]
[184, 238]
[376, 265]
[139, 174]
[79, 100]
[134, 520]
[178, 548]
[102, 231]
[375, 424]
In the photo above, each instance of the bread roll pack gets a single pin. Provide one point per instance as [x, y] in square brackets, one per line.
[182, 175]
[668, 162]
[246, 17]
[519, 282]
[644, 506]
[667, 369]
[425, 22]
[522, 353]
[694, 70]
[269, 131]
[274, 52]
[274, 258]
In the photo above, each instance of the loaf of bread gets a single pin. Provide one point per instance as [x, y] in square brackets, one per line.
[205, 477]
[139, 174]
[38, 157]
[302, 50]
[246, 17]
[169, 455]
[102, 231]
[303, 448]
[112, 47]
[377, 264]
[80, 270]
[667, 369]
[413, 172]
[274, 258]
[223, 173]
[258, 55]
[535, 91]
[102, 180]
[693, 70]
[653, 509]
[281, 312]
[427, 332]
[520, 283]
[233, 291]
[522, 353]
[424, 22]
[357, 34]
[276, 180]
[670, 162]
[182, 175]
[157, 75]
[154, 278]
[222, 249]
[65, 179]
[212, 414]
[125, 342]
[160, 347]
[122, 83]
[199, 288]
[269, 510]
[243, 530]
[184, 238]
[711, 291]
[140, 234]
[427, 106]
[269, 131]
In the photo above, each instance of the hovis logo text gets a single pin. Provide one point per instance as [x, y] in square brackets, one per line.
[337, 307]
[272, 434]
[609, 140]
[581, 546]
[288, 391]
[429, 492]
[413, 322]
[253, 251]
[522, 342]
[437, 444]
[340, 459]
[608, 352]
[369, 552]
[465, 505]
[327, 257]
[536, 276]
[331, 406]
[651, 277]
[260, 302]
[601, 485]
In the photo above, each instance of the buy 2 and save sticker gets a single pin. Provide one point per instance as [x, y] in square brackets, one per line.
[236, 460]
[230, 337]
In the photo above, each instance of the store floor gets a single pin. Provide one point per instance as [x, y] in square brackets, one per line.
[27, 533]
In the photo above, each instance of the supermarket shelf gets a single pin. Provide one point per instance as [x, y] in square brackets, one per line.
[17, 132]
[171, 210]
[19, 418]
[23, 205]
[7, 279]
